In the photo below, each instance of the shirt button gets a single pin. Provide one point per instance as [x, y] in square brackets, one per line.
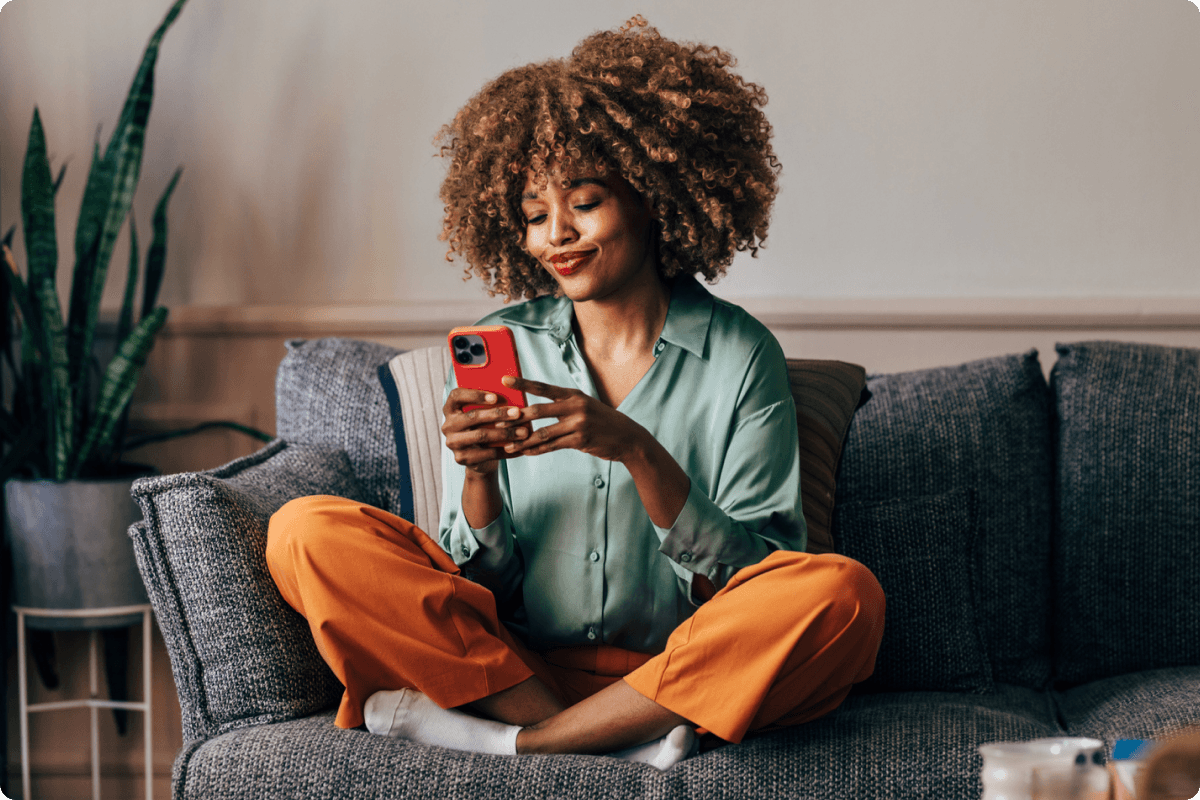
[599, 482]
[592, 634]
[659, 347]
[594, 556]
[685, 556]
[466, 550]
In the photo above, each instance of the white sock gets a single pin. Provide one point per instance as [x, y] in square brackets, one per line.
[664, 752]
[409, 714]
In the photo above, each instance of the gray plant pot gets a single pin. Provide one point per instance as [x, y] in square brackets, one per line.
[71, 549]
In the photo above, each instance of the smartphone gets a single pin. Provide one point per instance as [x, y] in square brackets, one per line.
[482, 355]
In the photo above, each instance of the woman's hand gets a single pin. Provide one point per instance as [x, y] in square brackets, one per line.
[473, 437]
[584, 424]
[590, 426]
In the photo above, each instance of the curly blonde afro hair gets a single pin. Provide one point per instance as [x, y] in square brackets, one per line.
[671, 118]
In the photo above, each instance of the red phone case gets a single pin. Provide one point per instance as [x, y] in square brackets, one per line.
[500, 359]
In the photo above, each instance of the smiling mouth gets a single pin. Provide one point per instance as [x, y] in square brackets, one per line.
[566, 263]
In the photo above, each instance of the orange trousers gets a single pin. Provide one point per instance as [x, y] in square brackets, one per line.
[779, 645]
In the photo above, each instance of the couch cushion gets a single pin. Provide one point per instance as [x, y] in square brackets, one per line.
[900, 746]
[931, 638]
[239, 653]
[1139, 705]
[1126, 553]
[327, 392]
[982, 427]
[313, 760]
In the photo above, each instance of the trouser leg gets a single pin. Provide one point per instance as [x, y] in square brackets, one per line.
[387, 607]
[781, 644]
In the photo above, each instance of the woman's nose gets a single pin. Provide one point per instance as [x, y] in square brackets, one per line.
[562, 228]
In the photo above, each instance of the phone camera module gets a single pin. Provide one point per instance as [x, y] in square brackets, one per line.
[469, 350]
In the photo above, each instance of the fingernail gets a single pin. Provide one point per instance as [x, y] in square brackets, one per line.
[510, 447]
[491, 398]
[521, 433]
[514, 412]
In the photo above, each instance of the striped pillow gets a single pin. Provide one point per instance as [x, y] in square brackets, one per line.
[827, 393]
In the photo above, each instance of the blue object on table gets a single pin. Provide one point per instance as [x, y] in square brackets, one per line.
[1131, 749]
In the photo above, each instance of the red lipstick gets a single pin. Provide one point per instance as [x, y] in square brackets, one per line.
[566, 263]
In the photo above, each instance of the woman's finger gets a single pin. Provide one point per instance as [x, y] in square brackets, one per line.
[460, 397]
[540, 437]
[465, 420]
[538, 388]
[484, 437]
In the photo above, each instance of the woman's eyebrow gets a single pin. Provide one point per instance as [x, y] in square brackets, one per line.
[572, 185]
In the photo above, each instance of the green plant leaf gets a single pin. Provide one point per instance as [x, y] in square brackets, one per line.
[7, 263]
[164, 436]
[41, 246]
[62, 173]
[34, 389]
[125, 323]
[120, 379]
[37, 206]
[156, 257]
[116, 184]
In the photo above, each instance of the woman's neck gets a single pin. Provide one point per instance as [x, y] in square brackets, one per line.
[623, 327]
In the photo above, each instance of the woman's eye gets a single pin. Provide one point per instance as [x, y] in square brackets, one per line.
[587, 206]
[535, 220]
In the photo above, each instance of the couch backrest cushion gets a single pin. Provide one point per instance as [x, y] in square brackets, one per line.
[239, 653]
[327, 392]
[928, 441]
[1127, 537]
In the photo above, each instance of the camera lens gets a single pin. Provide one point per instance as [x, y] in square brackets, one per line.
[476, 349]
[463, 356]
[460, 343]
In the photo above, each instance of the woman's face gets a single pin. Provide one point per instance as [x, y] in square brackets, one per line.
[592, 236]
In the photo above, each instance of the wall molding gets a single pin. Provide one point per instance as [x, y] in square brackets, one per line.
[982, 314]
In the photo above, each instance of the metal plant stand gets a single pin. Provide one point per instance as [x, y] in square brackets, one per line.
[93, 702]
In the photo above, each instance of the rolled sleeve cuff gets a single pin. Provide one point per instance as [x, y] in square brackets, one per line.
[488, 548]
[693, 540]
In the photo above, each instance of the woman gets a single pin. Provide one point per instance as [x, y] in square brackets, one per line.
[638, 526]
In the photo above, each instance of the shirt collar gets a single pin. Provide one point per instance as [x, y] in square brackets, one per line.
[686, 326]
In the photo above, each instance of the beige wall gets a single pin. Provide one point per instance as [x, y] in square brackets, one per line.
[1024, 148]
[961, 180]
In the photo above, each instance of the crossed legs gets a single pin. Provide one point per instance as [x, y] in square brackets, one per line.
[388, 610]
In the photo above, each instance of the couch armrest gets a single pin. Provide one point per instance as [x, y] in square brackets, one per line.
[239, 653]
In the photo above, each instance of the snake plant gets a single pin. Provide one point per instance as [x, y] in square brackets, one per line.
[63, 417]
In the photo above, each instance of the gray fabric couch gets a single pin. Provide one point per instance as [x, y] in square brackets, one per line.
[1037, 542]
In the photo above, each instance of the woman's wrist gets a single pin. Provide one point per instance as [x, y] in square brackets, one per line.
[481, 501]
[661, 483]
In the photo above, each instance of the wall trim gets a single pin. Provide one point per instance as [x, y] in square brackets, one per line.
[435, 318]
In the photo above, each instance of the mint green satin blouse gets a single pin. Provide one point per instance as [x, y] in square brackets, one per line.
[573, 537]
